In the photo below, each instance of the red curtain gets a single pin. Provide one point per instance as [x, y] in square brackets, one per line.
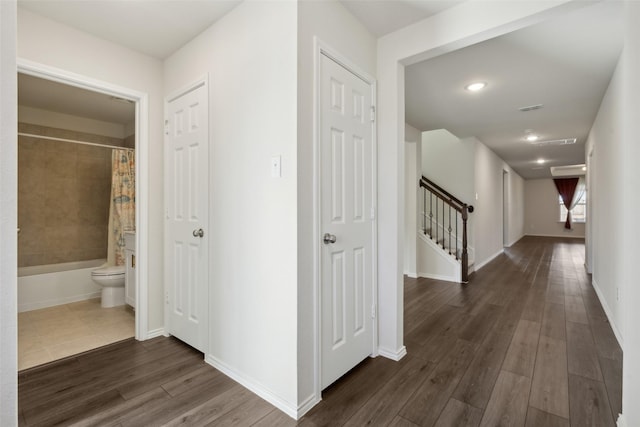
[566, 188]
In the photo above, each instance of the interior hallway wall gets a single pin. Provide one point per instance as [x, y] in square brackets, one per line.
[8, 216]
[250, 58]
[412, 213]
[331, 23]
[542, 211]
[50, 43]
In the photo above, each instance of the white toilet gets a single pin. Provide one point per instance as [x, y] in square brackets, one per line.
[111, 279]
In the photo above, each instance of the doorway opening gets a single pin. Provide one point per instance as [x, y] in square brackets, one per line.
[71, 131]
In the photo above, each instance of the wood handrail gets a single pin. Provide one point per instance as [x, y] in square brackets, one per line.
[463, 210]
[426, 182]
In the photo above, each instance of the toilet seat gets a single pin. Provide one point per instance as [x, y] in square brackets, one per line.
[109, 271]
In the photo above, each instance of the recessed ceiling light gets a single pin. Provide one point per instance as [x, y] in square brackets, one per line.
[540, 161]
[476, 86]
[532, 137]
[584, 168]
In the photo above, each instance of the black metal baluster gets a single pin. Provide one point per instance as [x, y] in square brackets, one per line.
[457, 235]
[449, 229]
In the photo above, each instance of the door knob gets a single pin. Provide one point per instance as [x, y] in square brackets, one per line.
[328, 238]
[198, 233]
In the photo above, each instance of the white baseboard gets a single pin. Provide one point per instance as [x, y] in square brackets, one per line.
[444, 278]
[488, 260]
[393, 354]
[307, 404]
[57, 301]
[608, 312]
[555, 235]
[513, 242]
[156, 333]
[255, 387]
[621, 421]
[411, 274]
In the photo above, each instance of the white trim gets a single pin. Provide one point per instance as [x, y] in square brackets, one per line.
[321, 48]
[442, 277]
[514, 241]
[555, 235]
[160, 332]
[608, 312]
[307, 404]
[254, 386]
[488, 260]
[142, 169]
[621, 421]
[395, 355]
[411, 274]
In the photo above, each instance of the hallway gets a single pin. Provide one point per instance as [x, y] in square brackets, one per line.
[526, 342]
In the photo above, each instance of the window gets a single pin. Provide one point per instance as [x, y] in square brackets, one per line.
[579, 212]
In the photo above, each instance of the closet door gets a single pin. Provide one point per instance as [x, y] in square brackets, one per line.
[187, 213]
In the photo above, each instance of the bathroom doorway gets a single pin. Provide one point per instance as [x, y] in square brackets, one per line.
[70, 134]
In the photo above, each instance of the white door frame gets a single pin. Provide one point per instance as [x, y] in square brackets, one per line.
[142, 170]
[321, 48]
[202, 81]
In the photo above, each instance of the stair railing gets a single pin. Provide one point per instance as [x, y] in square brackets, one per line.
[438, 205]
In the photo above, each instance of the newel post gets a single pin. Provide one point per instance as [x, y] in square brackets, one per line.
[465, 255]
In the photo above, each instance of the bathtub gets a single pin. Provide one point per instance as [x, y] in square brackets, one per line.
[44, 286]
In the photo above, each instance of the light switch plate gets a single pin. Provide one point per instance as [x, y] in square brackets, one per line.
[276, 167]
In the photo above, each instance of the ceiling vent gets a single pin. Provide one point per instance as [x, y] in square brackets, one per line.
[530, 108]
[566, 141]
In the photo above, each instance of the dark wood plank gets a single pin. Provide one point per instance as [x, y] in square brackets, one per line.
[574, 309]
[521, 355]
[553, 322]
[612, 373]
[508, 403]
[477, 383]
[427, 402]
[402, 422]
[581, 352]
[589, 403]
[550, 385]
[343, 398]
[276, 418]
[538, 418]
[534, 307]
[605, 340]
[459, 414]
[387, 402]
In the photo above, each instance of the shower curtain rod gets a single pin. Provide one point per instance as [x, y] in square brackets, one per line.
[75, 141]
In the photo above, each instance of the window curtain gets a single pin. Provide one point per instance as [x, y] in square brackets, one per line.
[581, 188]
[567, 189]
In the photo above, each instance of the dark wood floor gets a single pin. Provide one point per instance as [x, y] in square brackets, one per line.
[525, 343]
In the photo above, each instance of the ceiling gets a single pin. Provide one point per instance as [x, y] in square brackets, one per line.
[153, 27]
[48, 95]
[565, 64]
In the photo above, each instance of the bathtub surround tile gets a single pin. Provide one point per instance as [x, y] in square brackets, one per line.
[60, 185]
[56, 332]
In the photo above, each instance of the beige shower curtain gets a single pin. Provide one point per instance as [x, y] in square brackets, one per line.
[122, 213]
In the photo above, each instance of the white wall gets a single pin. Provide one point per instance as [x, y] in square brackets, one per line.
[50, 43]
[542, 211]
[38, 116]
[516, 206]
[250, 56]
[412, 164]
[487, 216]
[631, 207]
[449, 162]
[8, 216]
[336, 27]
[606, 139]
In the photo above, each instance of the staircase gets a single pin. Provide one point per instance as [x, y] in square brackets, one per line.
[444, 224]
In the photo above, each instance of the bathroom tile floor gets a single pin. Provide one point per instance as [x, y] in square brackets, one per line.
[56, 332]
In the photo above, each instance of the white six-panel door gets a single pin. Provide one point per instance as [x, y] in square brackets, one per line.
[347, 226]
[187, 202]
